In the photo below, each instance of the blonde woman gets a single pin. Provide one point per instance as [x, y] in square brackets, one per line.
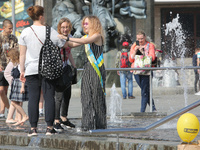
[93, 80]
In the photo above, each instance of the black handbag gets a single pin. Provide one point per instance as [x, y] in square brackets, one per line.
[68, 78]
[74, 75]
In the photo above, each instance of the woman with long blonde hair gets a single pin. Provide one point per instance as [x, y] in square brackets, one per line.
[94, 75]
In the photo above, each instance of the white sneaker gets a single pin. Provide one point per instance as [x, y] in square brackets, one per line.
[2, 116]
[198, 93]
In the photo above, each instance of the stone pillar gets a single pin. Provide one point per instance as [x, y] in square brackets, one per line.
[48, 5]
[149, 21]
[134, 29]
[147, 25]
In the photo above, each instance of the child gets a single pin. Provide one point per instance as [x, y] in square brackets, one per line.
[18, 92]
[9, 78]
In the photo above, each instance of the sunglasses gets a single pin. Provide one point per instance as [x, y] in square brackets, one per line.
[85, 24]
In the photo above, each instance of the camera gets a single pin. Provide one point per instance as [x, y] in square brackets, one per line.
[137, 43]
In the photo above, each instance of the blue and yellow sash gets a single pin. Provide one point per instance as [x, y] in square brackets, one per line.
[96, 64]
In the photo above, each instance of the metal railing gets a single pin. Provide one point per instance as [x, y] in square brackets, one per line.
[150, 76]
[153, 68]
[149, 68]
[150, 127]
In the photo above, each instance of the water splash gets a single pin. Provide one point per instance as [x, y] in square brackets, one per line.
[174, 29]
[157, 78]
[178, 48]
[115, 106]
[169, 75]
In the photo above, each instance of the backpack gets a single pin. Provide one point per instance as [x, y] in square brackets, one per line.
[50, 62]
[124, 63]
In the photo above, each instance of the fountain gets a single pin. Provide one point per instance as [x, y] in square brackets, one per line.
[178, 49]
[169, 78]
[115, 106]
[163, 137]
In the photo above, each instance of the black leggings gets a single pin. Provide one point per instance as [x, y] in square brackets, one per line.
[62, 103]
[34, 90]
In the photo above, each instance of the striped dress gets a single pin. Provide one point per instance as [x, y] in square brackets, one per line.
[92, 96]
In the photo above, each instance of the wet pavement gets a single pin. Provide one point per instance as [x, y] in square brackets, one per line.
[166, 134]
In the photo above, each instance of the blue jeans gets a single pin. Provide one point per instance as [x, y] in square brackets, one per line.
[143, 82]
[123, 76]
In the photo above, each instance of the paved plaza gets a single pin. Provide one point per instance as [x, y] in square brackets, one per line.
[167, 101]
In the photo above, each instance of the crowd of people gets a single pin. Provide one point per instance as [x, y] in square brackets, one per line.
[20, 60]
[19, 70]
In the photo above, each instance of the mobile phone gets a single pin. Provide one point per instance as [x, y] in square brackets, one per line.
[137, 42]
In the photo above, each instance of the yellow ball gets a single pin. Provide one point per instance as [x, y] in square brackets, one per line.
[188, 127]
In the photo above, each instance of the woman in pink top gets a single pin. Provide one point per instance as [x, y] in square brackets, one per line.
[143, 48]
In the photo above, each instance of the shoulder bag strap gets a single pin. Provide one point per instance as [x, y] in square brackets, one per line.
[48, 32]
[36, 35]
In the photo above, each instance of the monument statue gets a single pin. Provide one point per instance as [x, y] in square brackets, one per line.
[105, 10]
[66, 9]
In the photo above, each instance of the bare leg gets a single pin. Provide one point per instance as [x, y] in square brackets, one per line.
[2, 107]
[41, 104]
[21, 111]
[4, 99]
[63, 118]
[10, 114]
[56, 121]
[18, 116]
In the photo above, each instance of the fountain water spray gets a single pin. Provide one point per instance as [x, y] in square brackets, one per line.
[115, 106]
[169, 79]
[178, 48]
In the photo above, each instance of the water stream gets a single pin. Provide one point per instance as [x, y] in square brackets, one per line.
[115, 106]
[178, 50]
